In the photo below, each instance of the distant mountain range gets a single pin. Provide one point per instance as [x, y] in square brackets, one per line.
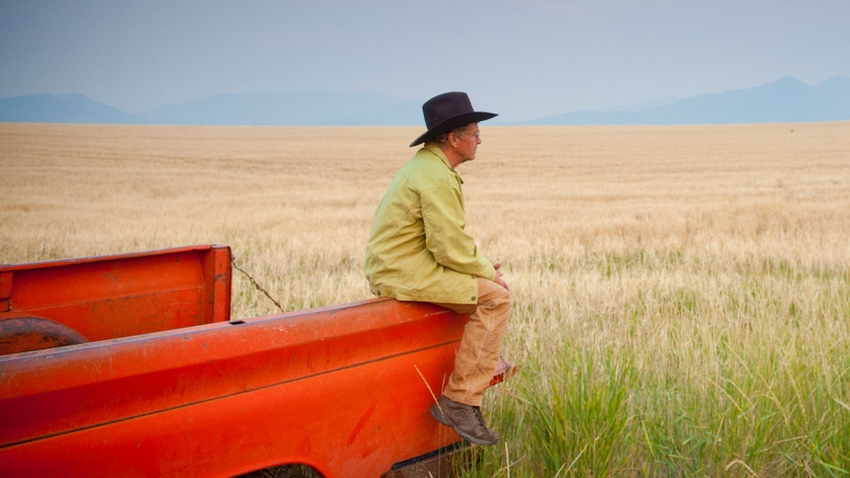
[307, 108]
[784, 100]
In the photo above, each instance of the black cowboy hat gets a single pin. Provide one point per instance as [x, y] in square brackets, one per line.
[446, 112]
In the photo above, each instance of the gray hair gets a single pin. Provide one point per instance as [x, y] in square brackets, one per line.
[441, 139]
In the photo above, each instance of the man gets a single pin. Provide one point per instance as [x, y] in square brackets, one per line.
[419, 251]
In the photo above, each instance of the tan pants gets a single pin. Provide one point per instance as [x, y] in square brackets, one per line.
[481, 343]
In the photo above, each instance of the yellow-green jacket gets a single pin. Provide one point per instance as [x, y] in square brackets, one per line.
[418, 250]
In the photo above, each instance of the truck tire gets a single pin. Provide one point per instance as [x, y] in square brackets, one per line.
[24, 334]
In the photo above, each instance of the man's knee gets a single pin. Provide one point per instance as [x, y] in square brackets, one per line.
[492, 293]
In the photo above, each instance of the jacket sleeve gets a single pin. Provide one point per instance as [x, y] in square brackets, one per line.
[445, 237]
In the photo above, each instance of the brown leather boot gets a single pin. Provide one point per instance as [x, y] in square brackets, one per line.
[466, 421]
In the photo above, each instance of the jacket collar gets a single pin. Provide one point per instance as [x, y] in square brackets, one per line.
[436, 151]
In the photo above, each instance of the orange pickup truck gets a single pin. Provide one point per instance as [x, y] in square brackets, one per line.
[130, 365]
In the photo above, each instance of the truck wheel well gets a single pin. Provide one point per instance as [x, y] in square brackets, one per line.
[285, 471]
[24, 334]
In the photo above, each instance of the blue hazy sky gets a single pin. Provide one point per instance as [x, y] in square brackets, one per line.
[521, 58]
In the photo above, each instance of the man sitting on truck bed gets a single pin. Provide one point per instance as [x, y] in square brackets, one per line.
[419, 251]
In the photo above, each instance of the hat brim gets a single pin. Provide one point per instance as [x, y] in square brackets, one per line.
[452, 123]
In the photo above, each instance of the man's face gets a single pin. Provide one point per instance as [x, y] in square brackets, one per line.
[468, 143]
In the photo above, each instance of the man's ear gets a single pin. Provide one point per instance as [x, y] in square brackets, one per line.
[453, 140]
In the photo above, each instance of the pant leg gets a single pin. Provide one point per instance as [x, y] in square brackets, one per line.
[480, 345]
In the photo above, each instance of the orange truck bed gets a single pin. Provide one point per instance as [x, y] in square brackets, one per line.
[165, 384]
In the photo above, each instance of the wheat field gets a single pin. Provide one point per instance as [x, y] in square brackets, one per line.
[681, 293]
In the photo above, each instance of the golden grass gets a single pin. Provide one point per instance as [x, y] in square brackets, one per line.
[79, 189]
[706, 268]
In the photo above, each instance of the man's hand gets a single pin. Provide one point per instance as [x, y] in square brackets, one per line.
[499, 275]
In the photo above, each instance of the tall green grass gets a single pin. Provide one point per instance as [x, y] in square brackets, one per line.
[672, 363]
